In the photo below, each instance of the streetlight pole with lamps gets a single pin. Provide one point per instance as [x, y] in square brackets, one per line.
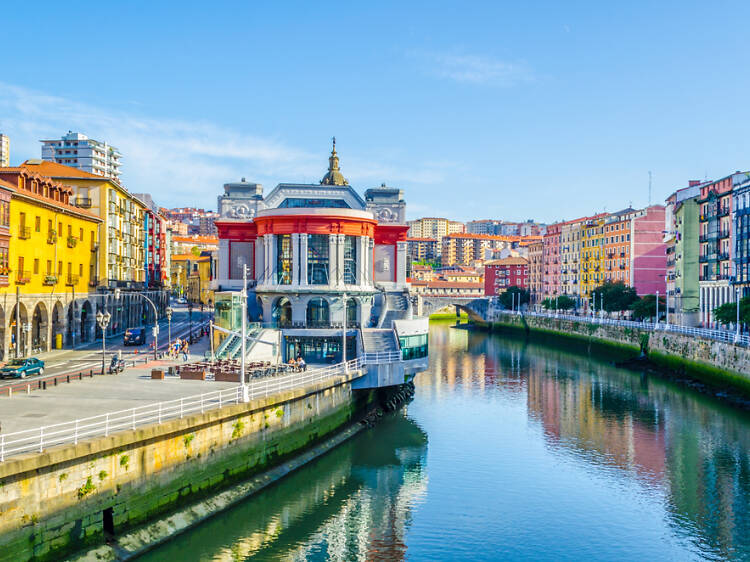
[243, 301]
[102, 319]
[168, 312]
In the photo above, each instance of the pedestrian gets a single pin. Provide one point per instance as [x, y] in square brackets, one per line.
[185, 351]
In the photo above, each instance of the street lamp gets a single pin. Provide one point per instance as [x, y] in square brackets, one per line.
[102, 319]
[190, 317]
[168, 312]
[656, 324]
[243, 300]
[737, 334]
[343, 346]
[26, 327]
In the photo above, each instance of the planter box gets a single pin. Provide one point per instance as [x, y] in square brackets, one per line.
[224, 376]
[157, 374]
[190, 375]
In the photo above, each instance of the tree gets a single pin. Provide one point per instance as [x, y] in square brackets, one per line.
[727, 312]
[511, 296]
[564, 302]
[645, 307]
[617, 296]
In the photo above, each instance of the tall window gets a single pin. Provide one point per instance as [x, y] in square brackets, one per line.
[350, 260]
[317, 259]
[317, 313]
[284, 259]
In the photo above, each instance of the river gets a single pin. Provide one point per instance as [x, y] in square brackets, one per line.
[510, 451]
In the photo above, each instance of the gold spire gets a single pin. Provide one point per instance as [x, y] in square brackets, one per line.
[334, 175]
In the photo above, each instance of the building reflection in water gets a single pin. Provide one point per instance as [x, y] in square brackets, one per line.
[691, 449]
[354, 503]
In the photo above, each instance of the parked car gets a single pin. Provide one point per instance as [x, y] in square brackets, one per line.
[21, 368]
[182, 300]
[135, 336]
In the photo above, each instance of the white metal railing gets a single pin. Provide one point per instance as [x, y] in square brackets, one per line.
[39, 439]
[725, 336]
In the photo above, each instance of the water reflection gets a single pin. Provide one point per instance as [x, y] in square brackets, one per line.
[354, 503]
[690, 447]
[535, 453]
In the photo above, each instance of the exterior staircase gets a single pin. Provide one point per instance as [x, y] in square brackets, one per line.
[396, 308]
[378, 341]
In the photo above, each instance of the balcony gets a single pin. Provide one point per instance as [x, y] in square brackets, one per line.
[724, 234]
[83, 202]
[72, 280]
[95, 247]
[723, 256]
[703, 238]
[622, 267]
[723, 212]
[50, 280]
[51, 237]
[93, 282]
[24, 232]
[72, 241]
[23, 277]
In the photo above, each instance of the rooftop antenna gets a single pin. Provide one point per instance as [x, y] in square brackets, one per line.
[649, 188]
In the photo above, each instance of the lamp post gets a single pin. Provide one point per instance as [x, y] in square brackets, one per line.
[102, 319]
[168, 312]
[190, 318]
[656, 324]
[737, 334]
[26, 337]
[243, 301]
[343, 338]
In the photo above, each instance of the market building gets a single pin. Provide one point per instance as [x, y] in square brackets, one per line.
[319, 258]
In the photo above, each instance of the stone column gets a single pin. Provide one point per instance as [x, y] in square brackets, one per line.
[303, 259]
[401, 263]
[224, 264]
[270, 259]
[333, 265]
[340, 258]
[259, 255]
[295, 259]
[362, 246]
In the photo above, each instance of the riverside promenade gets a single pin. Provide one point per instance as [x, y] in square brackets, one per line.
[717, 357]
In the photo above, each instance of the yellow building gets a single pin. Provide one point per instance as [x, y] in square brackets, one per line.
[121, 252]
[191, 277]
[592, 254]
[50, 260]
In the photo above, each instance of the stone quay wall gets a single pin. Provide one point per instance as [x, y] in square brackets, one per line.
[59, 501]
[707, 360]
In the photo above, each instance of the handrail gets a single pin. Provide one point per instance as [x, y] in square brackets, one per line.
[102, 425]
[725, 336]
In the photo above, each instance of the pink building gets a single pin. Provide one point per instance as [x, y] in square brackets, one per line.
[551, 261]
[648, 251]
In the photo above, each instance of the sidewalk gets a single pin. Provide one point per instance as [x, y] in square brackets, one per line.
[102, 394]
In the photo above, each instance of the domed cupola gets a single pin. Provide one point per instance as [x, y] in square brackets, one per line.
[334, 175]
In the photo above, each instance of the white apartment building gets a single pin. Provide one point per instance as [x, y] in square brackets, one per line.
[79, 151]
[4, 151]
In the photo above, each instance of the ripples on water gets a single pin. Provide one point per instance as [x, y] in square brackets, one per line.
[511, 451]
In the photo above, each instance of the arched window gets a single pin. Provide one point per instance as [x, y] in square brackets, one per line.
[282, 313]
[351, 312]
[317, 313]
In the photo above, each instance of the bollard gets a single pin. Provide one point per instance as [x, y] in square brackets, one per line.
[10, 392]
[91, 373]
[28, 389]
[44, 385]
[68, 379]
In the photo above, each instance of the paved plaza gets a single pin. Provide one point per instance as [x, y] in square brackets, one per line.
[102, 394]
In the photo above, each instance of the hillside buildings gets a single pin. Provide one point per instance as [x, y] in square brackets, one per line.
[504, 273]
[78, 151]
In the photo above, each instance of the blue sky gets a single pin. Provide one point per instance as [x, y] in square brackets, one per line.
[513, 110]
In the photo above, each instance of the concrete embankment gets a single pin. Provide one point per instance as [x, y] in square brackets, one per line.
[59, 501]
[715, 363]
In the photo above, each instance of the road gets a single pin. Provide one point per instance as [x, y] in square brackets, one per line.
[89, 356]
